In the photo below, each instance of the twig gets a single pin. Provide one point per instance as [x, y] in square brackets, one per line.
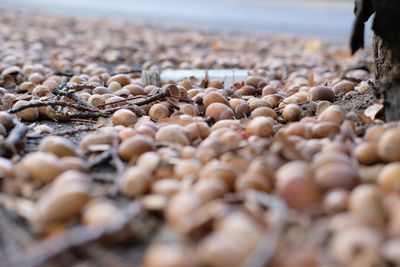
[83, 115]
[120, 101]
[21, 237]
[8, 148]
[269, 242]
[102, 257]
[72, 95]
[102, 177]
[159, 96]
[76, 130]
[119, 167]
[78, 236]
[100, 158]
[51, 104]
[66, 74]
[71, 74]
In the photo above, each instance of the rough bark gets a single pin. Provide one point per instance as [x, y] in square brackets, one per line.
[387, 75]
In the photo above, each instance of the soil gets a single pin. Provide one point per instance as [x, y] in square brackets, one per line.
[354, 104]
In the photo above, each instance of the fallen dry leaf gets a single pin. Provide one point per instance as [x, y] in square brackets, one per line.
[373, 110]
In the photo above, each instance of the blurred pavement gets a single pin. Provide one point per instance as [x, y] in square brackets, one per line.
[326, 19]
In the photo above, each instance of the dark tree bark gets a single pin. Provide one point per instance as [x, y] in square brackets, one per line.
[386, 26]
[387, 76]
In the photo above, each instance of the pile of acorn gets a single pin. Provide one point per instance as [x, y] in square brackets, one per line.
[196, 155]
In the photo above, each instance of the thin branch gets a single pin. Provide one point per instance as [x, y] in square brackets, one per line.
[72, 95]
[8, 148]
[102, 257]
[100, 158]
[51, 104]
[119, 167]
[83, 115]
[156, 97]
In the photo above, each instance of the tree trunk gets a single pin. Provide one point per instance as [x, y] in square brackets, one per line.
[387, 76]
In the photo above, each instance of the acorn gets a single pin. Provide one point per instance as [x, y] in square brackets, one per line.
[321, 106]
[101, 90]
[131, 148]
[343, 87]
[209, 189]
[124, 117]
[170, 255]
[374, 133]
[134, 89]
[41, 166]
[122, 79]
[135, 181]
[173, 133]
[36, 78]
[366, 153]
[180, 207]
[166, 187]
[219, 170]
[294, 183]
[234, 102]
[332, 114]
[74, 163]
[187, 168]
[189, 109]
[248, 90]
[96, 100]
[336, 175]
[325, 129]
[232, 243]
[390, 251]
[389, 178]
[198, 130]
[242, 111]
[336, 200]
[268, 90]
[100, 212]
[214, 97]
[252, 181]
[366, 204]
[29, 114]
[59, 146]
[389, 145]
[320, 93]
[298, 128]
[71, 187]
[105, 135]
[41, 91]
[291, 112]
[159, 111]
[219, 111]
[114, 101]
[356, 246]
[150, 161]
[260, 126]
[264, 111]
[257, 103]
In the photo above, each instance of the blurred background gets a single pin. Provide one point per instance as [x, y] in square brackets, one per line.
[328, 19]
